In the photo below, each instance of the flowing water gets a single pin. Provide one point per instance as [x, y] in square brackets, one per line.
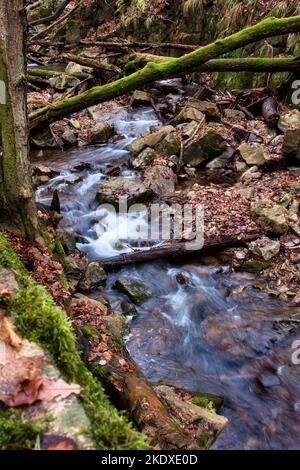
[214, 333]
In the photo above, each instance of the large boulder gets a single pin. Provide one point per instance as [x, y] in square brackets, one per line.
[290, 124]
[252, 154]
[289, 120]
[170, 145]
[101, 133]
[161, 180]
[62, 82]
[151, 139]
[115, 187]
[134, 289]
[77, 70]
[265, 248]
[196, 110]
[44, 139]
[273, 219]
[208, 145]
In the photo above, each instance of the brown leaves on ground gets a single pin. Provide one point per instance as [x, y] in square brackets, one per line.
[21, 378]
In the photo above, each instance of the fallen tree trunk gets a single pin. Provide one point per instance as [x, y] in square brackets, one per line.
[172, 250]
[249, 64]
[136, 45]
[167, 69]
[91, 63]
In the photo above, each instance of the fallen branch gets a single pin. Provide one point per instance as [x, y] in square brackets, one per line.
[91, 63]
[167, 69]
[59, 10]
[136, 45]
[172, 250]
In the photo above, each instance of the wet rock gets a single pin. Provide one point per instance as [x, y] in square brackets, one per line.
[150, 139]
[190, 114]
[114, 187]
[208, 145]
[62, 82]
[117, 325]
[43, 170]
[265, 248]
[81, 166]
[289, 120]
[140, 98]
[272, 219]
[144, 158]
[101, 133]
[77, 70]
[93, 277]
[67, 239]
[128, 309]
[170, 145]
[8, 283]
[161, 180]
[69, 137]
[268, 379]
[254, 266]
[136, 290]
[235, 114]
[253, 154]
[45, 139]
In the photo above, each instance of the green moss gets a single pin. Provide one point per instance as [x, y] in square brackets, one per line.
[16, 431]
[39, 319]
[204, 403]
[89, 331]
[254, 266]
[45, 234]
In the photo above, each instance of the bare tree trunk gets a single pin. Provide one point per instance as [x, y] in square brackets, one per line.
[17, 206]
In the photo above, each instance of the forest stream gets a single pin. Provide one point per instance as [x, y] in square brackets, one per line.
[215, 333]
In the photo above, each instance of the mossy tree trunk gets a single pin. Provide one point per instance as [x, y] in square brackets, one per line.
[17, 206]
[166, 69]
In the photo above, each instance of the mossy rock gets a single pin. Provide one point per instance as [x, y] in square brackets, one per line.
[254, 266]
[136, 290]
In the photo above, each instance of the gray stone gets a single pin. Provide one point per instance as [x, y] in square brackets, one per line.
[291, 142]
[93, 277]
[265, 248]
[8, 283]
[69, 137]
[161, 180]
[222, 160]
[62, 82]
[114, 187]
[140, 98]
[77, 70]
[101, 133]
[208, 145]
[45, 139]
[136, 290]
[144, 158]
[235, 114]
[273, 219]
[253, 154]
[151, 139]
[289, 120]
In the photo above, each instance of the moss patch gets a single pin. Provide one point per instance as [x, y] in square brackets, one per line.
[16, 431]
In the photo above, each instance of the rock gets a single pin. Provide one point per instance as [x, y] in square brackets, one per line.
[8, 283]
[94, 276]
[114, 187]
[208, 145]
[69, 137]
[67, 239]
[291, 143]
[170, 145]
[75, 123]
[77, 70]
[222, 160]
[265, 248]
[254, 266]
[45, 139]
[187, 130]
[144, 158]
[253, 154]
[128, 308]
[247, 193]
[134, 289]
[161, 180]
[240, 165]
[151, 139]
[140, 98]
[62, 82]
[289, 120]
[235, 114]
[295, 170]
[251, 174]
[272, 219]
[101, 133]
[43, 170]
[117, 325]
[196, 110]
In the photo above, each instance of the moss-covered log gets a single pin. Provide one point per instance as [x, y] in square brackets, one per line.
[167, 69]
[41, 73]
[17, 206]
[249, 64]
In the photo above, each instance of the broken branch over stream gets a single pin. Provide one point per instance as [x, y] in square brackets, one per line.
[173, 250]
[167, 69]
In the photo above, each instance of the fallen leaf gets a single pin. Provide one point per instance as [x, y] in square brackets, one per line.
[56, 388]
[7, 333]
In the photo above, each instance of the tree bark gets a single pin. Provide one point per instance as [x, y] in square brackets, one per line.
[17, 205]
[172, 250]
[167, 69]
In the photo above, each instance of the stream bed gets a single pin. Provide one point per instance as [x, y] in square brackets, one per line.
[214, 333]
